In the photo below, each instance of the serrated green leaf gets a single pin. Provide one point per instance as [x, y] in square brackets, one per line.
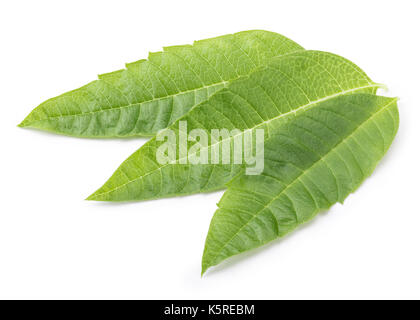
[268, 98]
[311, 163]
[151, 94]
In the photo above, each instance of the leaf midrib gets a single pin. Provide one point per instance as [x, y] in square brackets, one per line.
[133, 104]
[295, 111]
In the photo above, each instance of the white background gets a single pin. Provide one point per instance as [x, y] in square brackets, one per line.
[53, 244]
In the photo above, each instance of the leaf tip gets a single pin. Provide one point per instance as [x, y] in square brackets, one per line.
[205, 265]
[93, 197]
[203, 270]
[98, 195]
[24, 123]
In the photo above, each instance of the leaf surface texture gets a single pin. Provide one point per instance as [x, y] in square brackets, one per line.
[311, 163]
[151, 94]
[266, 99]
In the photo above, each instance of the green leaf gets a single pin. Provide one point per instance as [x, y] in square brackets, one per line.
[268, 98]
[151, 94]
[313, 162]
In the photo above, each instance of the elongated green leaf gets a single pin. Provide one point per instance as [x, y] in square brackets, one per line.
[268, 98]
[311, 163]
[151, 94]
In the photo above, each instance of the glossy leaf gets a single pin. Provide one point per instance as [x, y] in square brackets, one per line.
[311, 163]
[267, 99]
[151, 94]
